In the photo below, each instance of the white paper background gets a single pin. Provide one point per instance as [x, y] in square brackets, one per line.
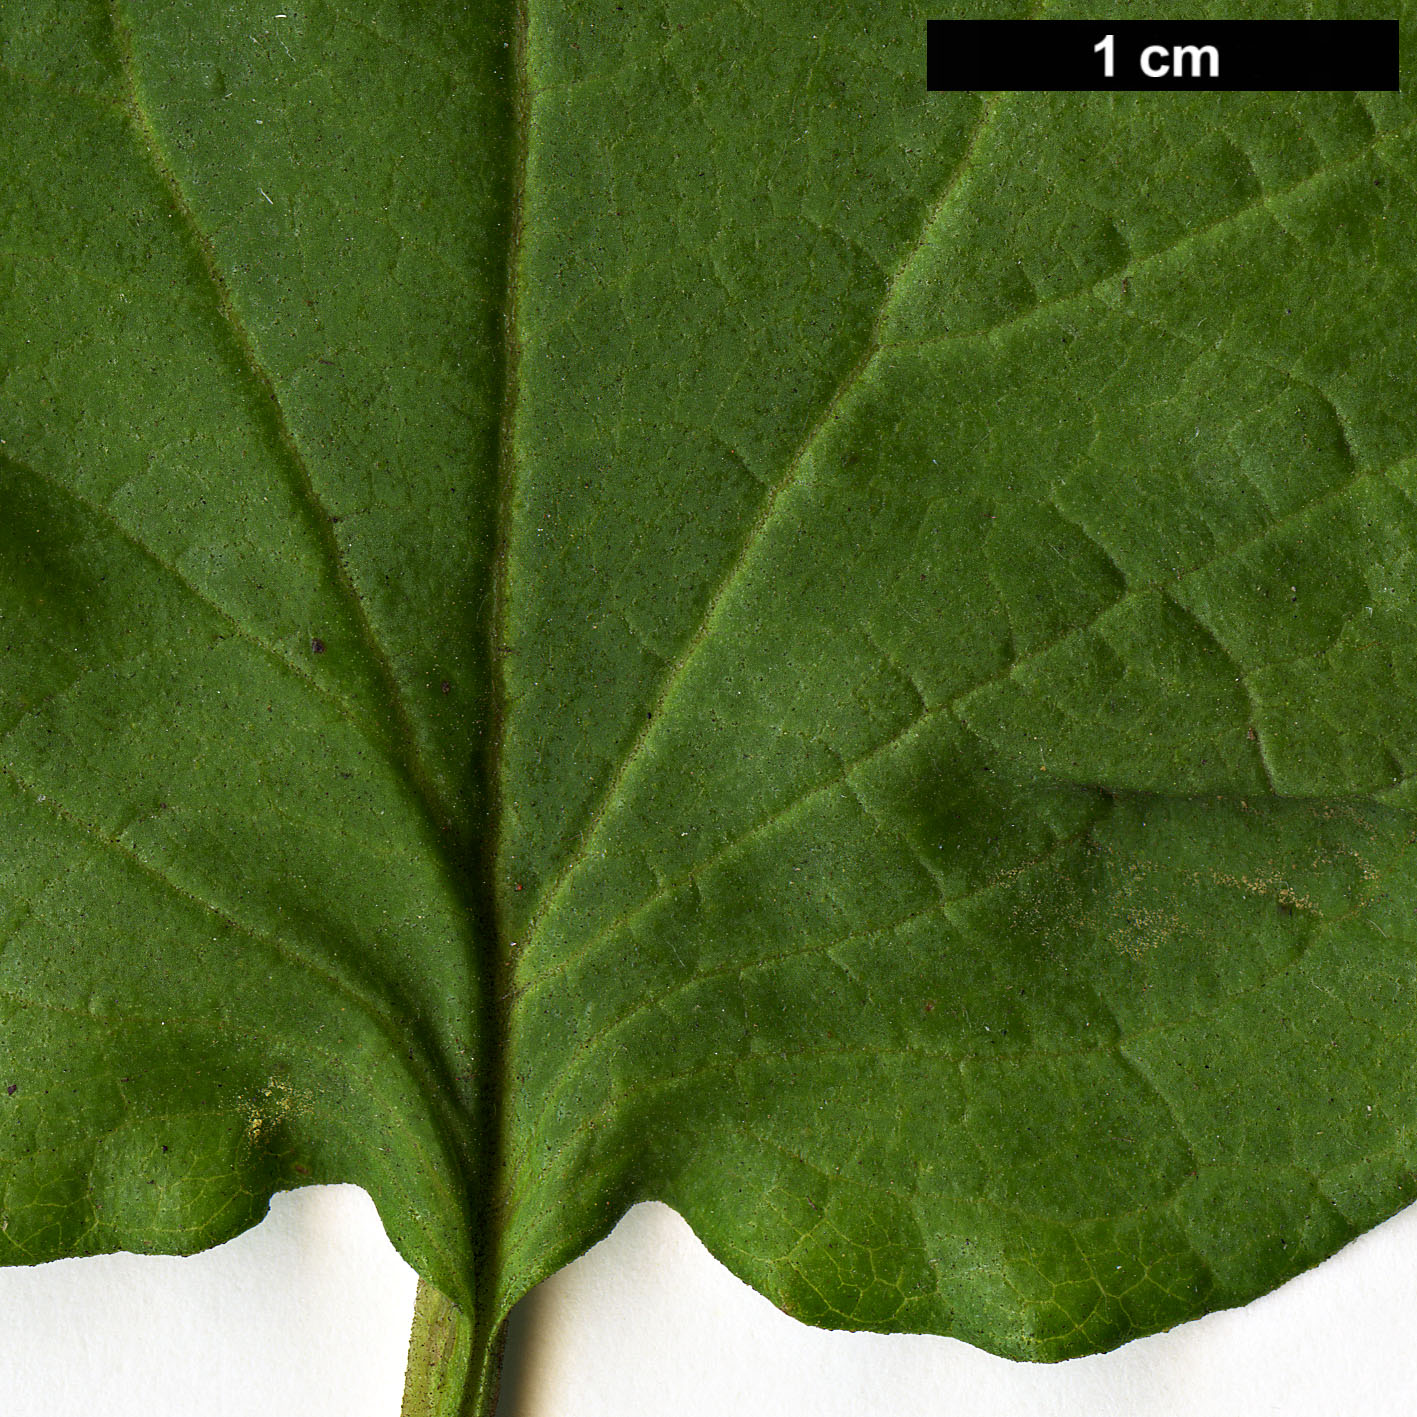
[308, 1314]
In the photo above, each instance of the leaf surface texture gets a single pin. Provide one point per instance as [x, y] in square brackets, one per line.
[602, 603]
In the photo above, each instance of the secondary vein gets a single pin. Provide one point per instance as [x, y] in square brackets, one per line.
[871, 348]
[399, 731]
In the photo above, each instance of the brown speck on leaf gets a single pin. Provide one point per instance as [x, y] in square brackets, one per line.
[1252, 735]
[317, 646]
[447, 687]
[929, 1006]
[12, 1089]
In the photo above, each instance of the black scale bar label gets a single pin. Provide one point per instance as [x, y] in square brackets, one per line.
[1101, 55]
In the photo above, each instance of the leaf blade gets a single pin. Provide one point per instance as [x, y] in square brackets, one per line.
[836, 660]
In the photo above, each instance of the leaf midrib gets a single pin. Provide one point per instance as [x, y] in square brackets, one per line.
[479, 877]
[467, 857]
[492, 1304]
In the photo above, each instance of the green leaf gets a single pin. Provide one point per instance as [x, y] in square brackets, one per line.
[617, 602]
